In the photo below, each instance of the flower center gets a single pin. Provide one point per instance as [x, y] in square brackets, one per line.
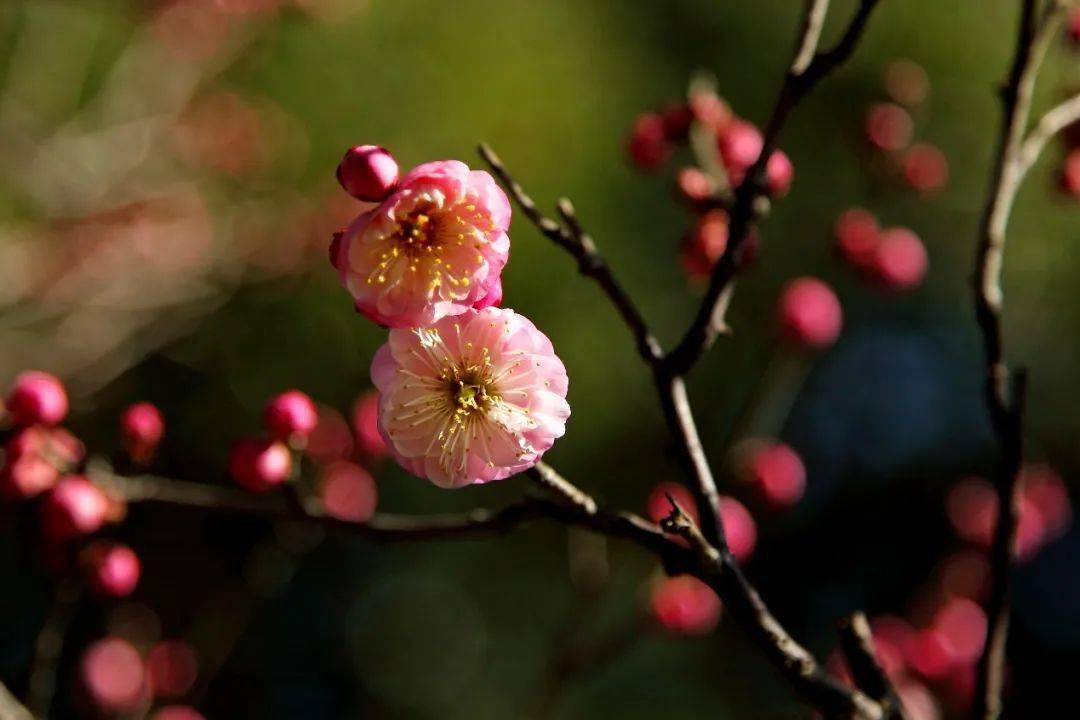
[417, 234]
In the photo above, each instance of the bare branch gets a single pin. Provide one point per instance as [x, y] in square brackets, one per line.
[861, 653]
[591, 263]
[1005, 395]
[709, 321]
[1054, 121]
[49, 645]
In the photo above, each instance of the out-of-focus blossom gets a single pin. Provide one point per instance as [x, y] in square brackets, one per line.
[710, 110]
[857, 237]
[142, 427]
[740, 144]
[433, 249]
[290, 416]
[177, 712]
[73, 508]
[474, 398]
[906, 82]
[647, 145]
[705, 243]
[34, 459]
[900, 260]
[348, 492]
[925, 167]
[962, 623]
[172, 668]
[888, 127]
[739, 526]
[779, 173]
[331, 439]
[111, 569]
[778, 472]
[260, 465]
[37, 398]
[809, 313]
[113, 676]
[685, 605]
[694, 185]
[1070, 173]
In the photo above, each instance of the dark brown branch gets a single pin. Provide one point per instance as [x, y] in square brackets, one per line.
[1005, 394]
[858, 644]
[741, 600]
[578, 243]
[386, 527]
[10, 707]
[801, 77]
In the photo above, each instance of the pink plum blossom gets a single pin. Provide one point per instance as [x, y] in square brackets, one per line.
[434, 248]
[474, 398]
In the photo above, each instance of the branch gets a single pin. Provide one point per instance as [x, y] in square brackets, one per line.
[1005, 395]
[10, 707]
[1054, 121]
[858, 643]
[574, 240]
[801, 77]
[795, 663]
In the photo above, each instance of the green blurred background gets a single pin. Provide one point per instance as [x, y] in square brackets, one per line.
[91, 95]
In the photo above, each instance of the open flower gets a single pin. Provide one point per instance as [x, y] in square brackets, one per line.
[435, 247]
[474, 398]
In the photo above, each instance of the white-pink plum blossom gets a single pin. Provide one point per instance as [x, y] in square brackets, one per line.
[474, 398]
[434, 248]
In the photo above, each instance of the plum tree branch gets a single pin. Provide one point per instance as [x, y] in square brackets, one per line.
[1005, 392]
[802, 76]
[796, 664]
[857, 641]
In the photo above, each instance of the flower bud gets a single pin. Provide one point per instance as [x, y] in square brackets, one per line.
[1070, 174]
[710, 110]
[779, 173]
[779, 474]
[740, 145]
[694, 185]
[172, 668]
[111, 569]
[348, 492]
[368, 173]
[37, 398]
[259, 465]
[900, 259]
[113, 676]
[739, 526]
[177, 712]
[142, 428]
[809, 313]
[647, 145]
[925, 167]
[685, 605]
[906, 82]
[676, 120]
[857, 234]
[290, 416]
[888, 126]
[705, 244]
[74, 507]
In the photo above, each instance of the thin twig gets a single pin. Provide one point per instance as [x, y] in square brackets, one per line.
[1054, 121]
[801, 77]
[591, 263]
[858, 643]
[1005, 394]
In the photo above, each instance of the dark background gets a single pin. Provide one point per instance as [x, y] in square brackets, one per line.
[210, 305]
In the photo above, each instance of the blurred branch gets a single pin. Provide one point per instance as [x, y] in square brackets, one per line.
[10, 707]
[1005, 391]
[858, 643]
[1054, 121]
[801, 77]
[386, 527]
[49, 645]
